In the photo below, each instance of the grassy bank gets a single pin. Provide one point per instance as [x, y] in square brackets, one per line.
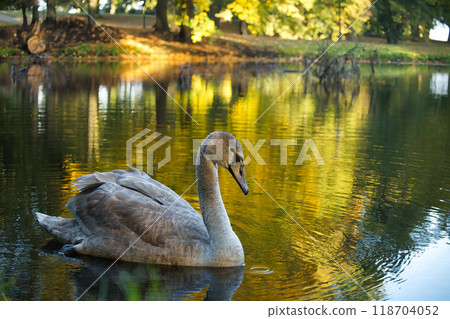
[406, 52]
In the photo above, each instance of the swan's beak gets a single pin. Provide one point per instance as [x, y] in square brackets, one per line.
[238, 172]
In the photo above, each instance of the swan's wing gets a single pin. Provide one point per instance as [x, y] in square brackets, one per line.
[125, 204]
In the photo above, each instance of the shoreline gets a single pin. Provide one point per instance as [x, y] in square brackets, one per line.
[174, 60]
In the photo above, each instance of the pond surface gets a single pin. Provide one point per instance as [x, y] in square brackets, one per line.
[373, 222]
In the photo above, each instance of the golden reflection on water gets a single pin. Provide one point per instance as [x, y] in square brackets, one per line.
[376, 169]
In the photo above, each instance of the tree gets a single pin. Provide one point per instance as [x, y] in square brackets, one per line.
[24, 14]
[307, 19]
[97, 7]
[186, 10]
[407, 18]
[192, 17]
[444, 13]
[51, 12]
[92, 10]
[328, 18]
[216, 6]
[35, 16]
[162, 24]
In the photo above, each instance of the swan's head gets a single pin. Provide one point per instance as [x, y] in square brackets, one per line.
[224, 149]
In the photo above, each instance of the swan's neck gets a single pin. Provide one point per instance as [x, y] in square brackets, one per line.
[211, 204]
[225, 245]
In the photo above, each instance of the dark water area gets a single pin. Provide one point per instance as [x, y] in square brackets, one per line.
[372, 222]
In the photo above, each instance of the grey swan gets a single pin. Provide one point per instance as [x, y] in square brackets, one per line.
[115, 209]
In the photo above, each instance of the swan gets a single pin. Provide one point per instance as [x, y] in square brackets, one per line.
[128, 215]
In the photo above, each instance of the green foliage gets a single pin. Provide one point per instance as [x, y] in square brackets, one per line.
[10, 4]
[7, 52]
[150, 4]
[202, 26]
[412, 19]
[199, 22]
[265, 17]
[88, 49]
[293, 19]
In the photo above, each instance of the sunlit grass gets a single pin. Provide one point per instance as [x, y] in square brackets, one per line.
[87, 49]
[405, 52]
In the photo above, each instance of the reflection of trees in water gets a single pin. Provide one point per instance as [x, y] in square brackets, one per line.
[64, 122]
[342, 93]
[402, 175]
[399, 173]
[30, 156]
[58, 114]
[161, 103]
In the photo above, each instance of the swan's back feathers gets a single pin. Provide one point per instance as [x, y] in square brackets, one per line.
[94, 180]
[125, 204]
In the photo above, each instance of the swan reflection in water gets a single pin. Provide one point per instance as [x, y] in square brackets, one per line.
[141, 281]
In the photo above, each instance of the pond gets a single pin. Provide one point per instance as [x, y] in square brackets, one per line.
[364, 214]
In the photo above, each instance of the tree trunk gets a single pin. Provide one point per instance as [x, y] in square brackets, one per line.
[162, 24]
[415, 32]
[35, 12]
[242, 27]
[51, 12]
[185, 31]
[143, 13]
[214, 9]
[185, 34]
[24, 15]
[92, 8]
[392, 38]
[394, 32]
[97, 7]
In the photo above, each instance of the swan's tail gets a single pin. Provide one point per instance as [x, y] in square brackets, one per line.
[64, 230]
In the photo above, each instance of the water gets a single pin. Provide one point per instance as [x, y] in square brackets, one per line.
[373, 222]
